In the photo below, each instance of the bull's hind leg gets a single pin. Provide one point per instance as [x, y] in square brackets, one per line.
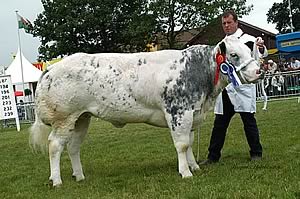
[56, 146]
[180, 126]
[78, 135]
[59, 137]
[190, 155]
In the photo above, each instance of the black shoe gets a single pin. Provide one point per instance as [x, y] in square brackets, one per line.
[256, 158]
[208, 162]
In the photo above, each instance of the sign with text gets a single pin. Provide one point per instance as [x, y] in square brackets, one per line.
[8, 107]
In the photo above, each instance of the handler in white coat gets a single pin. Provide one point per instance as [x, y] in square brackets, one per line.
[240, 99]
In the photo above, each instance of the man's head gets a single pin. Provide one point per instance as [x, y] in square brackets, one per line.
[293, 59]
[270, 61]
[229, 22]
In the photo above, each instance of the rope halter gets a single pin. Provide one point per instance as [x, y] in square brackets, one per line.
[230, 70]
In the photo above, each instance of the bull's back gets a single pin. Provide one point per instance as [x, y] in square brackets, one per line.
[114, 88]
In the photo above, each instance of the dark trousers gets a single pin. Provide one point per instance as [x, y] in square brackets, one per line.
[221, 124]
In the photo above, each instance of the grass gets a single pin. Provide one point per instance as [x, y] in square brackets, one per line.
[139, 161]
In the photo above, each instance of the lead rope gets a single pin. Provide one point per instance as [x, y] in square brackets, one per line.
[198, 144]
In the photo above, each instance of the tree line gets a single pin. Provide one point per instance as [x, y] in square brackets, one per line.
[94, 26]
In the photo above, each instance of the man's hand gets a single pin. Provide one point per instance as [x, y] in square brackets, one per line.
[259, 42]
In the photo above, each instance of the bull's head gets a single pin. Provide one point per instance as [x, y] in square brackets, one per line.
[234, 58]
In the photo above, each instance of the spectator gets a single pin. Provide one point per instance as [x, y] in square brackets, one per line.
[294, 64]
[277, 82]
[272, 66]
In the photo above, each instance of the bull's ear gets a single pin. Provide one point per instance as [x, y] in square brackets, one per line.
[222, 47]
[250, 44]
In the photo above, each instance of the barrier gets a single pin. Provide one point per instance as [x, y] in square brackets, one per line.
[25, 113]
[279, 86]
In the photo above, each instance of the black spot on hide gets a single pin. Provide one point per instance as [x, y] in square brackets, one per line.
[49, 80]
[168, 80]
[140, 62]
[174, 65]
[194, 80]
[93, 62]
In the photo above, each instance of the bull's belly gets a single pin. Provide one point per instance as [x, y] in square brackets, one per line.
[120, 118]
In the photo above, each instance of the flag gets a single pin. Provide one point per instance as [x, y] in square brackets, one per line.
[24, 23]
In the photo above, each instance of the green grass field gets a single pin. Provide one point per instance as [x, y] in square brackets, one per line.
[139, 161]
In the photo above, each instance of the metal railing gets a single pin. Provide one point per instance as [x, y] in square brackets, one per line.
[279, 86]
[25, 113]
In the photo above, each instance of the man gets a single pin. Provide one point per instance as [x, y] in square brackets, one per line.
[241, 99]
[295, 64]
[272, 66]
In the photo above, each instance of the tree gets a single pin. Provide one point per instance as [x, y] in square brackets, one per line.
[69, 26]
[279, 15]
[177, 15]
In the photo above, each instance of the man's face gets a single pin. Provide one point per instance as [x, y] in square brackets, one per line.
[229, 25]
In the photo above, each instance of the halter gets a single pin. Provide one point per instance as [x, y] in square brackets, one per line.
[229, 69]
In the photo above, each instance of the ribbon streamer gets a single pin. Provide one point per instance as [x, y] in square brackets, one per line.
[229, 70]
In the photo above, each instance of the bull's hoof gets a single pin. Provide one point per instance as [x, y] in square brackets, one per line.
[186, 174]
[78, 178]
[51, 184]
[195, 167]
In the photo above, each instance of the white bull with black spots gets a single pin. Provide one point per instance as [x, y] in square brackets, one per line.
[169, 88]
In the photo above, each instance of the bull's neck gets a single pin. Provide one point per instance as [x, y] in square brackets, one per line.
[207, 66]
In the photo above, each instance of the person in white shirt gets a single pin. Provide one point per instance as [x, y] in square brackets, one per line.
[240, 99]
[272, 66]
[295, 64]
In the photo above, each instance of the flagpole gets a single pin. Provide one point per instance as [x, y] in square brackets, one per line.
[23, 87]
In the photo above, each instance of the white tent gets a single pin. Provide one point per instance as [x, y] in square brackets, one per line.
[30, 72]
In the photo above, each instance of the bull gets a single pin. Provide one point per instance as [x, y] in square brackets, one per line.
[168, 88]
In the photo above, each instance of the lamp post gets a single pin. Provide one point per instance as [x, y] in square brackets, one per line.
[290, 16]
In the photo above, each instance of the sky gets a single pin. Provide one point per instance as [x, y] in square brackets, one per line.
[31, 8]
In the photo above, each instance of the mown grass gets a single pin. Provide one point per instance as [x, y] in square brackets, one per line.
[139, 161]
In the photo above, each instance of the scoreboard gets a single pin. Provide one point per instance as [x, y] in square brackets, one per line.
[8, 108]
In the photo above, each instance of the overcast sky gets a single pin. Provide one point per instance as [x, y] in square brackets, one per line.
[31, 8]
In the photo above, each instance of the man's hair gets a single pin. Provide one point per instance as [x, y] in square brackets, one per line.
[227, 13]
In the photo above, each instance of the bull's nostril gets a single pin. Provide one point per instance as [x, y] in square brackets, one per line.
[258, 71]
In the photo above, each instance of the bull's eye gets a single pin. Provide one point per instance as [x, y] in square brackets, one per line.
[234, 55]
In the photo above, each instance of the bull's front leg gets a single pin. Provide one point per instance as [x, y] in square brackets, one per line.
[180, 125]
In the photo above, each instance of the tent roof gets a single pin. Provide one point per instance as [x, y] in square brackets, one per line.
[30, 72]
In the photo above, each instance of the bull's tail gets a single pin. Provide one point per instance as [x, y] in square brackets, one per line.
[39, 133]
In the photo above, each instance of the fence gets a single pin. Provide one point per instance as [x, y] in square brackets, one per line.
[279, 86]
[25, 113]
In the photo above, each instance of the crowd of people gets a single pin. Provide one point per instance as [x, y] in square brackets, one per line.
[275, 82]
[283, 66]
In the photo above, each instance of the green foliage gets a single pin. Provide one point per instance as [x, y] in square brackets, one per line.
[177, 15]
[139, 161]
[66, 27]
[279, 15]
